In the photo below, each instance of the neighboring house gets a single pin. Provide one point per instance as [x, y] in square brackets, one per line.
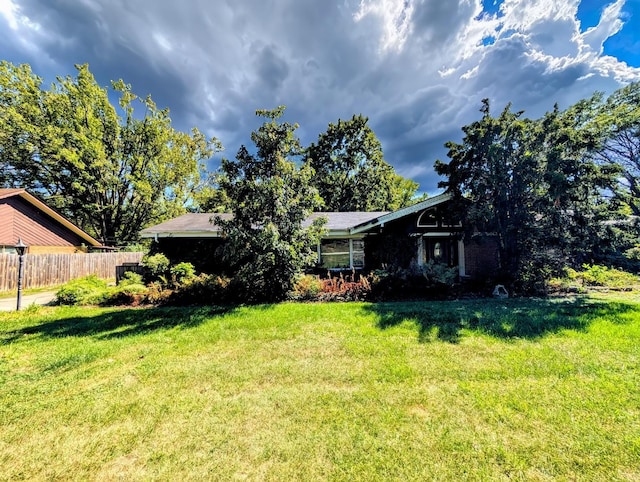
[411, 236]
[23, 216]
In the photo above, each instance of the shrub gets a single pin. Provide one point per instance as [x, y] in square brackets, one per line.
[633, 253]
[201, 290]
[82, 291]
[339, 288]
[130, 291]
[131, 278]
[571, 281]
[609, 277]
[307, 287]
[432, 281]
[594, 276]
[182, 272]
[157, 293]
[439, 274]
[156, 266]
[132, 294]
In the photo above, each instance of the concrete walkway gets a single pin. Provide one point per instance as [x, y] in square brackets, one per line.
[42, 298]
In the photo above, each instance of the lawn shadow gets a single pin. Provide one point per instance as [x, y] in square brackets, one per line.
[506, 319]
[120, 322]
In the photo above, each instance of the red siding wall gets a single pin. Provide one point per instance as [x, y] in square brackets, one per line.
[20, 219]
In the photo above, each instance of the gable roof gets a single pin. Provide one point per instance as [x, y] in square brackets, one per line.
[24, 195]
[400, 213]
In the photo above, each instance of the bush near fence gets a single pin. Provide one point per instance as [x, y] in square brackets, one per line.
[42, 270]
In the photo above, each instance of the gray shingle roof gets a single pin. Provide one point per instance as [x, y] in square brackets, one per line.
[193, 224]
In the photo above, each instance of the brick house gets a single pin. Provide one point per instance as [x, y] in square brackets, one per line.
[410, 236]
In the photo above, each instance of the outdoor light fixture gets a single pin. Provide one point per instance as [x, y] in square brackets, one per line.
[21, 249]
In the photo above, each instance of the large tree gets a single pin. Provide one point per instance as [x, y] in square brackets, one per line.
[111, 174]
[270, 197]
[351, 173]
[617, 121]
[533, 185]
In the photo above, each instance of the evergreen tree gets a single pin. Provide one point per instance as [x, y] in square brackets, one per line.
[270, 197]
[532, 184]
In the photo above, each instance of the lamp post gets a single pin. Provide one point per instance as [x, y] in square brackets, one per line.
[21, 249]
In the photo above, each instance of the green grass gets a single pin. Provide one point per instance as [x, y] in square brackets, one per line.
[470, 390]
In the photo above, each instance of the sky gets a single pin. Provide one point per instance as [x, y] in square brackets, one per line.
[418, 69]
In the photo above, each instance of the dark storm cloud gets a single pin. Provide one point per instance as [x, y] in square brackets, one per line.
[417, 68]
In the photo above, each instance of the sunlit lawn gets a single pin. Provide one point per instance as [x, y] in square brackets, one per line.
[469, 390]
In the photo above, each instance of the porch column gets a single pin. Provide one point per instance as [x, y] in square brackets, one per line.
[350, 253]
[461, 264]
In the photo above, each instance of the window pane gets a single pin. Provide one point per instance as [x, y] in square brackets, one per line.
[335, 246]
[358, 259]
[335, 260]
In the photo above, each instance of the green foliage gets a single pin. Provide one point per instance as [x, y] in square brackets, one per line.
[202, 290]
[594, 275]
[156, 266]
[110, 174]
[431, 281]
[350, 172]
[533, 184]
[633, 254]
[130, 278]
[182, 272]
[130, 291]
[137, 247]
[306, 287]
[91, 290]
[440, 274]
[616, 121]
[209, 199]
[82, 291]
[270, 197]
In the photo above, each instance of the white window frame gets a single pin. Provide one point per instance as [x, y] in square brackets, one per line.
[341, 253]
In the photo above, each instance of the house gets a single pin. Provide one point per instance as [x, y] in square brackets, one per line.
[408, 237]
[41, 228]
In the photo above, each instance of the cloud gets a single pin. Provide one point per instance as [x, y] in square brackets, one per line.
[417, 68]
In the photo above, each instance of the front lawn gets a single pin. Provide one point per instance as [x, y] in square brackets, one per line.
[466, 390]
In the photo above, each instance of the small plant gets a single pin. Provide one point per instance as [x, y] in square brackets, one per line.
[341, 288]
[82, 291]
[307, 287]
[157, 293]
[596, 275]
[439, 274]
[131, 278]
[182, 272]
[156, 266]
[126, 294]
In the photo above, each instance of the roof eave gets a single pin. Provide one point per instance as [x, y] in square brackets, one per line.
[59, 218]
[400, 213]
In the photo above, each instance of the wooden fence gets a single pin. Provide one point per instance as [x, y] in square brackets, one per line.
[41, 270]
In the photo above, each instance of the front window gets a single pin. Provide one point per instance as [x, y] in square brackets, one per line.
[342, 253]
